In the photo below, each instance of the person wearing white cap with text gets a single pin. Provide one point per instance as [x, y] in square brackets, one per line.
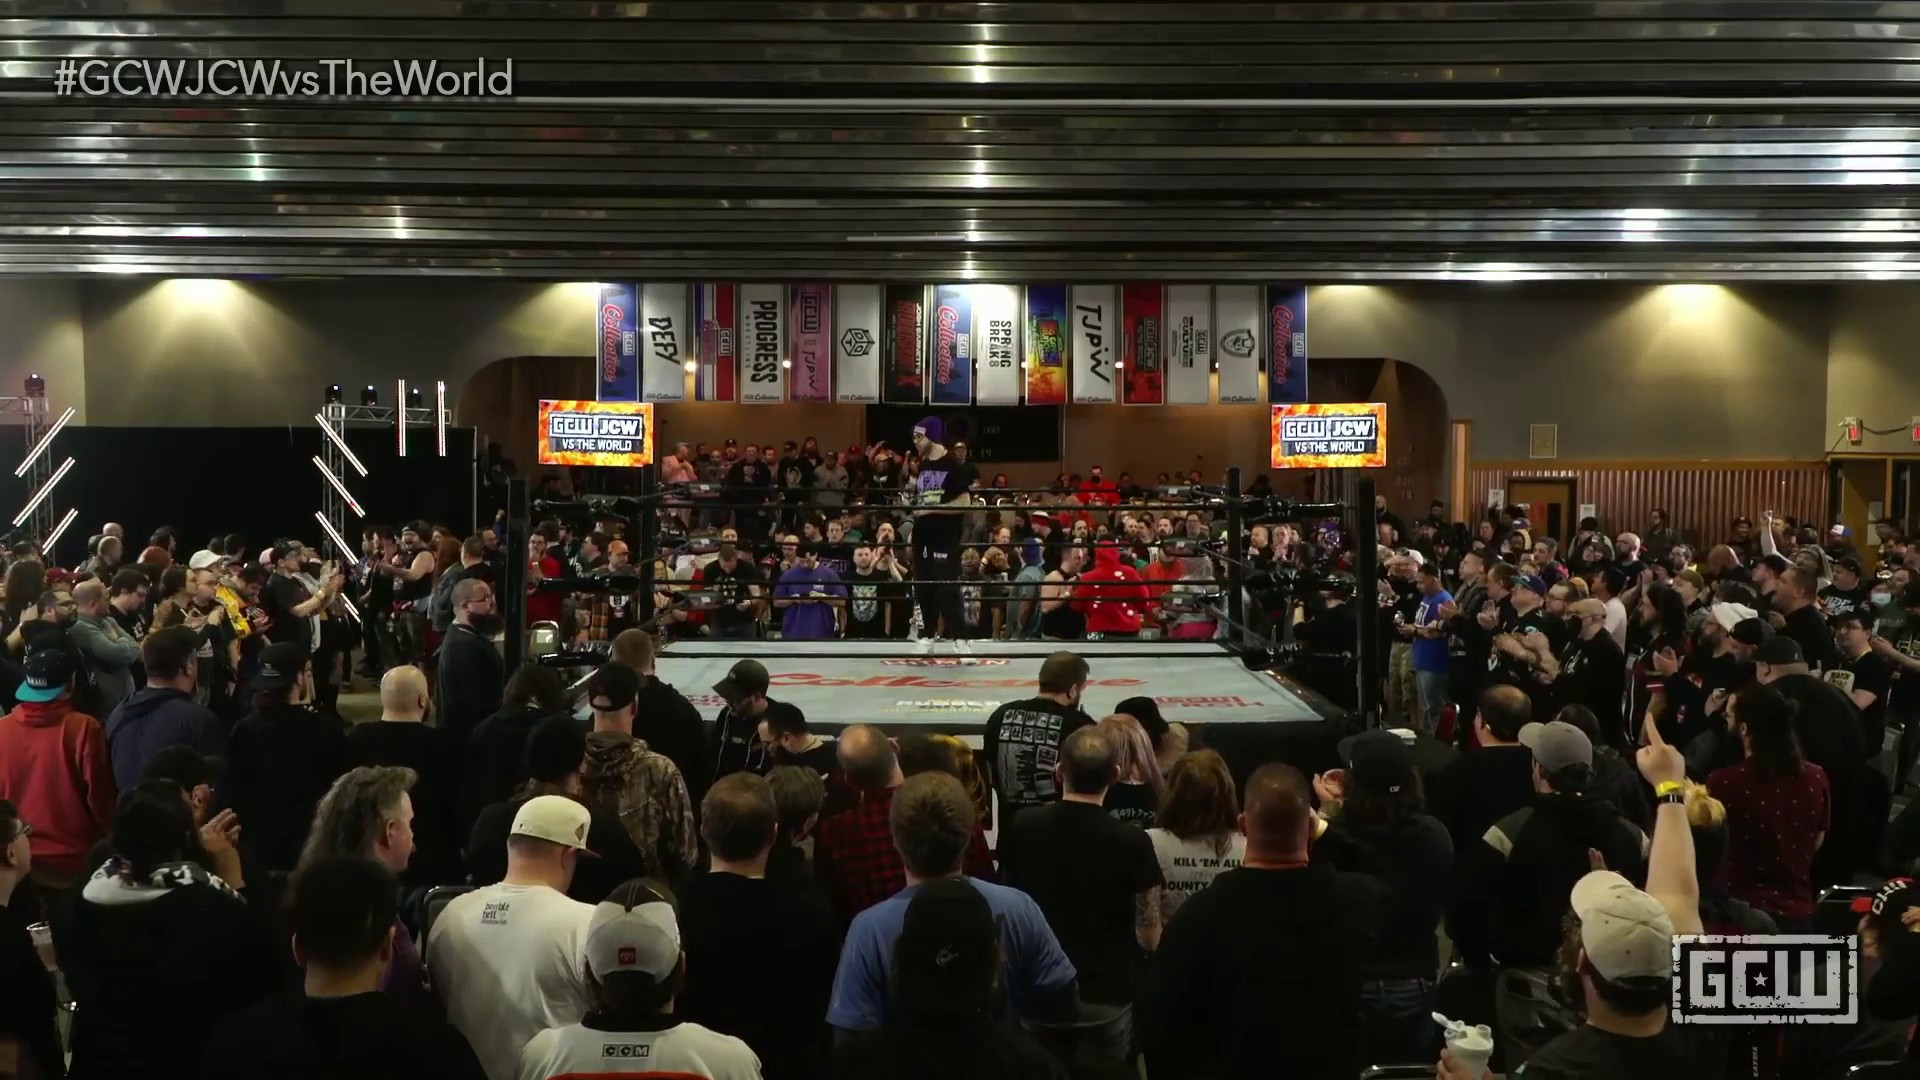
[1624, 963]
[635, 971]
[1709, 672]
[509, 959]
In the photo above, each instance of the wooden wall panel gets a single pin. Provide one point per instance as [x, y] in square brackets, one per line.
[1702, 498]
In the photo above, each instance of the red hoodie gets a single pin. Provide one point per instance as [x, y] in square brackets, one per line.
[1099, 492]
[1110, 609]
[1160, 576]
[55, 768]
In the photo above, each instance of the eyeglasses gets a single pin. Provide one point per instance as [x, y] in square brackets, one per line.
[25, 830]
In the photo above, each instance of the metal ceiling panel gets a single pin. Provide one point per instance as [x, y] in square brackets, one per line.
[1498, 139]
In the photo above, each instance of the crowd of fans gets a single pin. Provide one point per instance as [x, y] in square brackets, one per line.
[205, 866]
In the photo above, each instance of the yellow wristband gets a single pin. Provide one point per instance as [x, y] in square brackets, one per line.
[1667, 787]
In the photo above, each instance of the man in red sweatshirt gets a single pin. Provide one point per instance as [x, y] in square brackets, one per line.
[1097, 490]
[55, 768]
[1111, 594]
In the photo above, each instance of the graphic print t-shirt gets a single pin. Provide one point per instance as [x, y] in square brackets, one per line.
[941, 482]
[1191, 865]
[730, 588]
[1023, 745]
[867, 596]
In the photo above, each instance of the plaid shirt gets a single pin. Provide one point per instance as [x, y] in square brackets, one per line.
[855, 858]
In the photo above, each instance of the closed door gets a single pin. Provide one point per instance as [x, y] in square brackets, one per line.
[1549, 505]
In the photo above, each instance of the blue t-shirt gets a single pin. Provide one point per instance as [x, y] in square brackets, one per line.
[1035, 964]
[1430, 653]
[808, 622]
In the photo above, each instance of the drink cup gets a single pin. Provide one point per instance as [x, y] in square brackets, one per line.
[1472, 1047]
[42, 936]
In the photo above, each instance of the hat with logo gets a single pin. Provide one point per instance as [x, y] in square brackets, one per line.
[932, 428]
[555, 819]
[1729, 616]
[1379, 761]
[1625, 932]
[745, 679]
[945, 955]
[1533, 583]
[280, 665]
[634, 930]
[1839, 530]
[49, 668]
[1557, 744]
[1779, 649]
[612, 688]
[205, 559]
[1040, 515]
[1588, 608]
[1850, 564]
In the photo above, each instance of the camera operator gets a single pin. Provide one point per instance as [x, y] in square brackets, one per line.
[1334, 629]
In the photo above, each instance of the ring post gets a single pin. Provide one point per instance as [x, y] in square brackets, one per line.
[1367, 601]
[1236, 547]
[513, 582]
[649, 538]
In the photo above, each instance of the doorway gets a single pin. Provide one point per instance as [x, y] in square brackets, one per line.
[1550, 506]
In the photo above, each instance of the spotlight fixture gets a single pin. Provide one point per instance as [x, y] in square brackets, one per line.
[414, 398]
[36, 386]
[335, 393]
[369, 396]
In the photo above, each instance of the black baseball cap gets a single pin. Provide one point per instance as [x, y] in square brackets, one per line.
[1751, 631]
[280, 665]
[1147, 711]
[1849, 564]
[1779, 649]
[49, 667]
[745, 679]
[948, 949]
[612, 688]
[556, 747]
[184, 766]
[1379, 761]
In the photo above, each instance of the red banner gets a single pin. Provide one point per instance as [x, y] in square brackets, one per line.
[1143, 320]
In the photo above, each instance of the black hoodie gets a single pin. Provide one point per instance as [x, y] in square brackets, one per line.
[1514, 883]
[672, 726]
[282, 758]
[371, 1036]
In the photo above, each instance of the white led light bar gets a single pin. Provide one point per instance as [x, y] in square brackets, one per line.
[352, 503]
[339, 444]
[46, 440]
[45, 490]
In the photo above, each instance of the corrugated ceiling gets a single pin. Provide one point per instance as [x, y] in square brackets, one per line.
[1696, 140]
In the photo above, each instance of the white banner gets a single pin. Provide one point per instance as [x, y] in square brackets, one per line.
[1188, 358]
[1095, 312]
[664, 342]
[763, 344]
[1238, 311]
[997, 378]
[856, 348]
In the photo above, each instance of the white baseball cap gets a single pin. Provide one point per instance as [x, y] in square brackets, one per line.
[1625, 932]
[555, 819]
[642, 936]
[205, 559]
[1731, 615]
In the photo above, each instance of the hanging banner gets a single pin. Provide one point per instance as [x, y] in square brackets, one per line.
[717, 315]
[619, 359]
[763, 331]
[950, 345]
[856, 352]
[903, 378]
[1189, 351]
[1239, 316]
[1286, 343]
[1096, 327]
[996, 345]
[1046, 354]
[812, 343]
[664, 342]
[1143, 311]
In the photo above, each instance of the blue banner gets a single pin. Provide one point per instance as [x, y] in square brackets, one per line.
[1286, 344]
[951, 352]
[619, 333]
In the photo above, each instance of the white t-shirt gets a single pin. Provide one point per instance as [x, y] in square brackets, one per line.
[681, 1051]
[510, 962]
[1191, 865]
[1617, 621]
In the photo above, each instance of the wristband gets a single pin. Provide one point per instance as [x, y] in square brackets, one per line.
[1668, 787]
[1674, 797]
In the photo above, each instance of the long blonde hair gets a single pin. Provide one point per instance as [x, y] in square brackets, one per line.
[1133, 752]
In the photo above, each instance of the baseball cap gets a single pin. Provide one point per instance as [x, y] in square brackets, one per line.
[49, 669]
[283, 549]
[1581, 609]
[1380, 761]
[1625, 932]
[1731, 615]
[205, 559]
[932, 428]
[183, 765]
[1850, 564]
[280, 665]
[555, 819]
[1751, 631]
[1040, 515]
[947, 948]
[634, 930]
[1839, 530]
[1147, 711]
[1779, 649]
[1530, 582]
[745, 679]
[612, 688]
[1557, 745]
[555, 748]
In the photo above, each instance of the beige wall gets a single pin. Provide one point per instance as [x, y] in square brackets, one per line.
[41, 333]
[1873, 366]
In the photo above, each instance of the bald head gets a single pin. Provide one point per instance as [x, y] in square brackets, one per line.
[403, 694]
[868, 758]
[1089, 761]
[1278, 812]
[90, 597]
